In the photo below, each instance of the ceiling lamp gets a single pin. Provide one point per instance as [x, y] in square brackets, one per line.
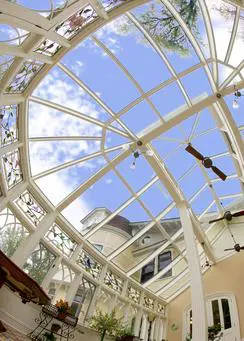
[237, 95]
[136, 153]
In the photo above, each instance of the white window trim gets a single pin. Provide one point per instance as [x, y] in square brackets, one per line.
[217, 295]
[156, 265]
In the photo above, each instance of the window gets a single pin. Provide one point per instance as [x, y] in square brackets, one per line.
[215, 310]
[77, 302]
[165, 259]
[83, 298]
[220, 311]
[147, 272]
[158, 264]
[226, 313]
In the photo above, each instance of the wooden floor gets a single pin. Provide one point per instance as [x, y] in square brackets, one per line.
[12, 335]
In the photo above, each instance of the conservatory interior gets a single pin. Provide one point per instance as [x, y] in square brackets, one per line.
[122, 170]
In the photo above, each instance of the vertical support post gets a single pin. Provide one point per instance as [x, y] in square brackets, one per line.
[28, 246]
[199, 318]
[96, 295]
[161, 330]
[156, 328]
[152, 330]
[146, 330]
[73, 288]
[143, 327]
[76, 253]
[51, 272]
[137, 324]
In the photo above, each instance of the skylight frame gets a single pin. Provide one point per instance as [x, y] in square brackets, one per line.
[21, 97]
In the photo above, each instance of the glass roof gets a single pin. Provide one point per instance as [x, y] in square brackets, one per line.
[99, 104]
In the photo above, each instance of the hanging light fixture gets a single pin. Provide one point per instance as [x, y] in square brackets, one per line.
[136, 153]
[237, 95]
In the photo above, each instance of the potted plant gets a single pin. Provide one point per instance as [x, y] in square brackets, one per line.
[105, 323]
[214, 333]
[63, 309]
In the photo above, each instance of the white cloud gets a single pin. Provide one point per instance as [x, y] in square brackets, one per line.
[44, 121]
[222, 32]
[108, 181]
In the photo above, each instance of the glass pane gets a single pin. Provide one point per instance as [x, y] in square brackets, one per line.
[147, 272]
[215, 309]
[226, 313]
[39, 262]
[12, 232]
[164, 259]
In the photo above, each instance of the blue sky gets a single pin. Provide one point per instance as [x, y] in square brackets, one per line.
[98, 71]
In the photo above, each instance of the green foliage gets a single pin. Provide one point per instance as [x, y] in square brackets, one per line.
[50, 336]
[105, 323]
[11, 238]
[39, 262]
[213, 333]
[124, 331]
[164, 27]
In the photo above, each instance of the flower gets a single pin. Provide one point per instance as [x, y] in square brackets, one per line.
[62, 306]
[76, 21]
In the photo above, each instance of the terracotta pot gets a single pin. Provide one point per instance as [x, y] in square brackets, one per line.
[62, 315]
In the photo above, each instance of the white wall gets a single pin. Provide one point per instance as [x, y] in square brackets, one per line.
[22, 316]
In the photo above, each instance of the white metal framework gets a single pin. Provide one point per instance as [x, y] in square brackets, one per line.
[40, 44]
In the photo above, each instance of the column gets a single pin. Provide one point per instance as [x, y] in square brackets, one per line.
[152, 330]
[156, 328]
[51, 273]
[146, 330]
[161, 330]
[199, 320]
[73, 288]
[143, 327]
[92, 308]
[28, 246]
[137, 323]
[126, 317]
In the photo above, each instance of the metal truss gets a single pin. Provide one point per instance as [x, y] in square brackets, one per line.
[40, 29]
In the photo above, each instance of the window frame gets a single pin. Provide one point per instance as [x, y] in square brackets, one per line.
[156, 267]
[235, 324]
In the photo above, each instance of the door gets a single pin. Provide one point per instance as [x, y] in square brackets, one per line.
[222, 310]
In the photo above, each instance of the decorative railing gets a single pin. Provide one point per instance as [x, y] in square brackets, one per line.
[134, 294]
[148, 302]
[113, 281]
[89, 264]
